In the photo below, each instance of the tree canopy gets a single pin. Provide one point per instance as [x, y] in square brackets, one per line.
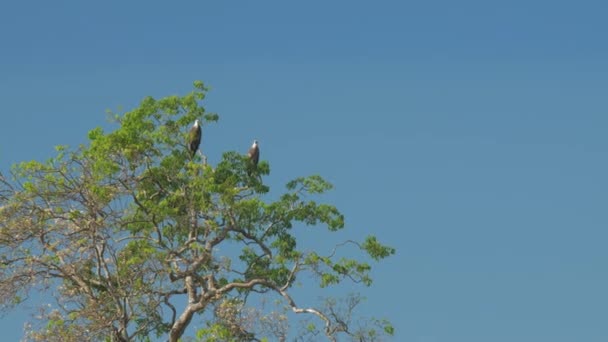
[135, 239]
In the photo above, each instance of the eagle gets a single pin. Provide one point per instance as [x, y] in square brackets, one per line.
[194, 138]
[254, 153]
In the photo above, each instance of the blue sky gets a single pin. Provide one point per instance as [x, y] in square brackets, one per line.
[469, 135]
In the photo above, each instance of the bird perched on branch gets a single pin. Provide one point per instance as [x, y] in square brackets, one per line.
[194, 138]
[254, 153]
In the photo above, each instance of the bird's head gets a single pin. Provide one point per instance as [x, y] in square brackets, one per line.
[255, 143]
[196, 123]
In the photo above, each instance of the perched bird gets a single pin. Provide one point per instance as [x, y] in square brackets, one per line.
[194, 138]
[254, 153]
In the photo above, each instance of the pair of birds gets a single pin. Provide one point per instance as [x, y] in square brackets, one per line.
[194, 140]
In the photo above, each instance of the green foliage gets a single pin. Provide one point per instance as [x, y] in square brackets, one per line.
[313, 185]
[388, 328]
[376, 250]
[131, 222]
[216, 333]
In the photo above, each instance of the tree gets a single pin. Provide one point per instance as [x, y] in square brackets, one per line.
[133, 237]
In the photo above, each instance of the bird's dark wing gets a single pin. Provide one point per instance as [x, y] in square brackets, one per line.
[194, 139]
[254, 155]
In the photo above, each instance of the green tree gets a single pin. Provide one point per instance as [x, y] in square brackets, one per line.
[133, 237]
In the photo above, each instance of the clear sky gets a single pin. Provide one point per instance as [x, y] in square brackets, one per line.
[469, 135]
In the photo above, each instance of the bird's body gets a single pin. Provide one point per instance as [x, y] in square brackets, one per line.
[194, 138]
[254, 153]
